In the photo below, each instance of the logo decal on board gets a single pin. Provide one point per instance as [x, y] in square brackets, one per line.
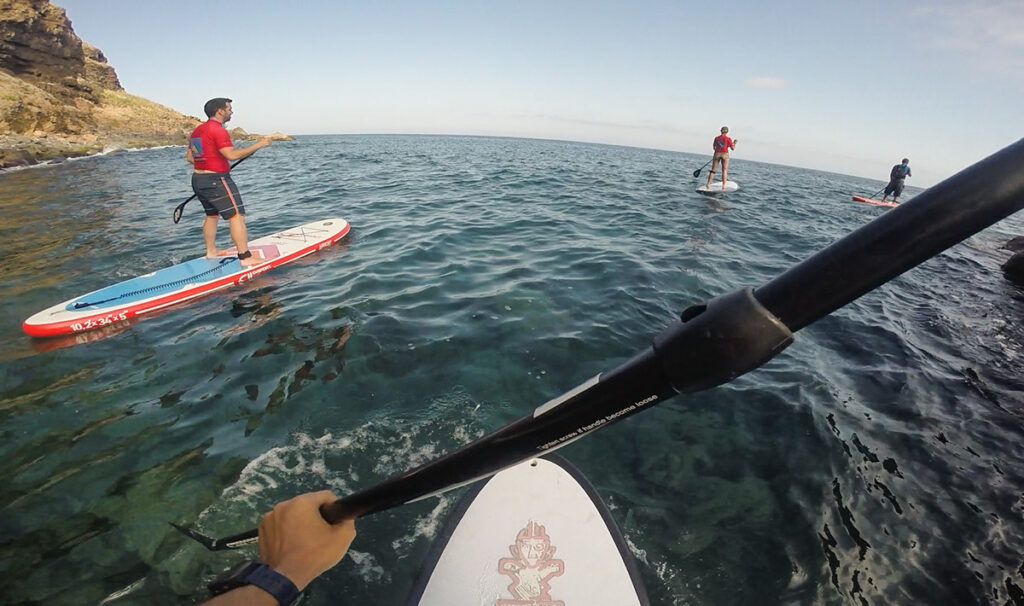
[531, 567]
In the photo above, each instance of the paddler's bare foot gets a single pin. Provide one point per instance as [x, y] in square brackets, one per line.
[219, 253]
[250, 261]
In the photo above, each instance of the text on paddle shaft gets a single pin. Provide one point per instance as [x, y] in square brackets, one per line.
[599, 422]
[97, 322]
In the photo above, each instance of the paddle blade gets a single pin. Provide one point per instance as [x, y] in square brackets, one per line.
[232, 542]
[696, 174]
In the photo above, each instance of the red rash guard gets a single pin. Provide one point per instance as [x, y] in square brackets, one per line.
[206, 141]
[723, 144]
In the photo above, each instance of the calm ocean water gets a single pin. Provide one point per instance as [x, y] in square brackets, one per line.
[877, 460]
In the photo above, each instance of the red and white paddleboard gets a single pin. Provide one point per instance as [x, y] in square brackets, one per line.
[535, 534]
[875, 202]
[182, 282]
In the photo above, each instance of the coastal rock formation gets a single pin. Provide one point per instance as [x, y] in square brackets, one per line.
[60, 98]
[49, 78]
[38, 45]
[97, 70]
[1014, 245]
[240, 134]
[1013, 269]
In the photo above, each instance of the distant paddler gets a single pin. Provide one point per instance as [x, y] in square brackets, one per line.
[722, 144]
[209, 150]
[896, 177]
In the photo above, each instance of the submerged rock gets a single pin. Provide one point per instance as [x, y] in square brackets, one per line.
[1014, 269]
[1015, 244]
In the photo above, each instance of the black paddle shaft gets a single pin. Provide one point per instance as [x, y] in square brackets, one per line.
[721, 340]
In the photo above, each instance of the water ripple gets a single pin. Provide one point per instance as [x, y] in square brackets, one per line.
[877, 460]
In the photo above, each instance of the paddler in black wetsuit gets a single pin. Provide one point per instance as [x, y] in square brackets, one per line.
[896, 176]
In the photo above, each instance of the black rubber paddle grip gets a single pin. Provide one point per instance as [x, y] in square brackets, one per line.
[718, 341]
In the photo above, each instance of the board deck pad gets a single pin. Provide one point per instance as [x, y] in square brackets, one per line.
[716, 187]
[181, 282]
[875, 202]
[263, 251]
[535, 534]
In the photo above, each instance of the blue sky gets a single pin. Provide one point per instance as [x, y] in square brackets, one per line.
[848, 87]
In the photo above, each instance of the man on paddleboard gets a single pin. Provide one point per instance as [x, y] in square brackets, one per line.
[896, 176]
[209, 150]
[296, 545]
[722, 144]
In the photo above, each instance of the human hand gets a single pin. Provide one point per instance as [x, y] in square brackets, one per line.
[264, 142]
[296, 541]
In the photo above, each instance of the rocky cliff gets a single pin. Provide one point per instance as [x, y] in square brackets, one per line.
[60, 98]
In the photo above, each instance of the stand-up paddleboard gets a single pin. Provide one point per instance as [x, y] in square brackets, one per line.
[182, 282]
[535, 534]
[875, 202]
[717, 188]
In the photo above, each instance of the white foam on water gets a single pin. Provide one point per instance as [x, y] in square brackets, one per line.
[11, 169]
[278, 474]
[106, 151]
[404, 454]
[426, 527]
[304, 458]
[367, 567]
[663, 570]
[378, 449]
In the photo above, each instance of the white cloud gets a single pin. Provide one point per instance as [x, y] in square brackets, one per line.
[989, 31]
[766, 82]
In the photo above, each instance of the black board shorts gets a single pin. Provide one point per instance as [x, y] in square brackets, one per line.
[894, 187]
[218, 193]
